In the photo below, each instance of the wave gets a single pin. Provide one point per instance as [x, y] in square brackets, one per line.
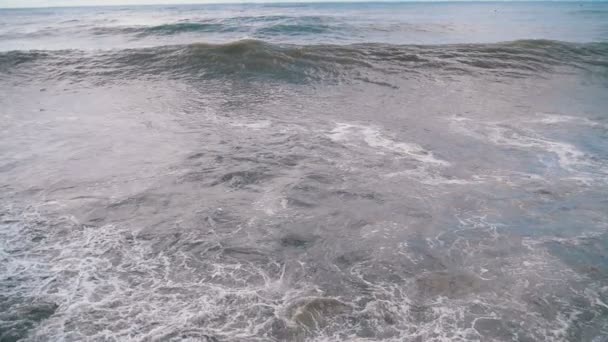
[255, 25]
[302, 63]
[166, 29]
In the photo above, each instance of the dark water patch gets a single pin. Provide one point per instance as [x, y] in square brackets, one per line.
[299, 202]
[167, 29]
[497, 329]
[316, 313]
[260, 18]
[100, 211]
[19, 316]
[189, 335]
[183, 27]
[196, 155]
[294, 29]
[244, 251]
[349, 258]
[13, 59]
[544, 192]
[309, 192]
[449, 284]
[291, 160]
[587, 255]
[298, 240]
[349, 195]
[240, 179]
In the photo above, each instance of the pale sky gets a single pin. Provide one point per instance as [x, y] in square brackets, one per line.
[53, 3]
[61, 3]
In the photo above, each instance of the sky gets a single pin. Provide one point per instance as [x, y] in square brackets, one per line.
[53, 3]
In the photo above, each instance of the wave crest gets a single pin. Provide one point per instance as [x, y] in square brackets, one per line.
[258, 59]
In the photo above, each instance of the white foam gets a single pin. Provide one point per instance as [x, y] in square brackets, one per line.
[113, 283]
[109, 277]
[553, 119]
[256, 125]
[569, 157]
[429, 177]
[549, 119]
[373, 137]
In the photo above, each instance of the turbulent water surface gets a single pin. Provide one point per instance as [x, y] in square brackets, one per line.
[311, 172]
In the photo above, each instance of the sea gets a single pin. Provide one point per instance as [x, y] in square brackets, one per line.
[390, 171]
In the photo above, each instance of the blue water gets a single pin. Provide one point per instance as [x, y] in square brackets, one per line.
[330, 23]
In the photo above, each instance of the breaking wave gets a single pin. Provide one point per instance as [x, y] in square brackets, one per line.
[303, 63]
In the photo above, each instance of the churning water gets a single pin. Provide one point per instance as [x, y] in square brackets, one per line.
[310, 172]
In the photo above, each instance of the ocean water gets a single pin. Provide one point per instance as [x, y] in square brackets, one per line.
[305, 172]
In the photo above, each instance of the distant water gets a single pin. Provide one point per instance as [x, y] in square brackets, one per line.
[305, 172]
[331, 23]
